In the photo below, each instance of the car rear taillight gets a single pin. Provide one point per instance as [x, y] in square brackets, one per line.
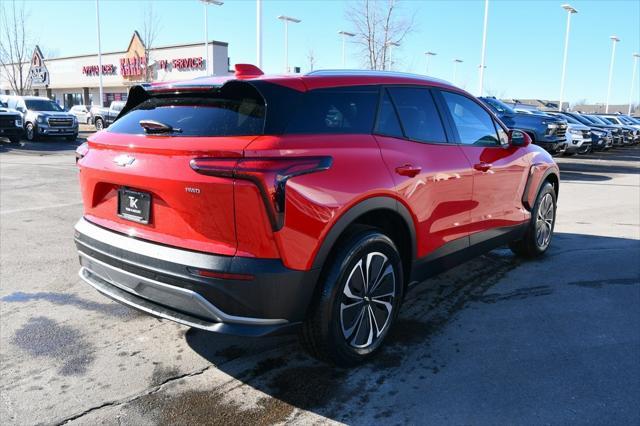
[270, 175]
[81, 151]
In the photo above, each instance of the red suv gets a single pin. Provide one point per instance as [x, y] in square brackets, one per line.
[257, 205]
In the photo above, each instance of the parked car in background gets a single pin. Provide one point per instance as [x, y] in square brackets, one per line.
[103, 117]
[314, 214]
[601, 138]
[547, 131]
[626, 131]
[578, 139]
[11, 126]
[625, 121]
[82, 113]
[42, 117]
[616, 132]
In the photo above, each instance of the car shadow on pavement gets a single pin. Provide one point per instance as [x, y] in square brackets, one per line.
[446, 342]
[46, 146]
[625, 153]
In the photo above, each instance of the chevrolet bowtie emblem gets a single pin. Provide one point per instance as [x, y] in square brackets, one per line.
[124, 160]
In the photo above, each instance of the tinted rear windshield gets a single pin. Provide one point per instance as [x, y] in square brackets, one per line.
[241, 114]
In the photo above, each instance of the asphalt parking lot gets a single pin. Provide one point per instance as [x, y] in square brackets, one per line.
[495, 341]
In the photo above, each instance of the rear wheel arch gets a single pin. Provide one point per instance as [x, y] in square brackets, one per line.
[383, 213]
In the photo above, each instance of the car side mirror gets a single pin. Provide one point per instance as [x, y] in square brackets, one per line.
[21, 109]
[519, 138]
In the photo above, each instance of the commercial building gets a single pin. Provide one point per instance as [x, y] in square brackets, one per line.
[74, 80]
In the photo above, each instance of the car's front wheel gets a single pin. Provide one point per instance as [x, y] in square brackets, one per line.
[539, 232]
[30, 132]
[359, 295]
[99, 124]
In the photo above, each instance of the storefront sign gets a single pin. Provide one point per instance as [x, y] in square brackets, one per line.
[133, 66]
[182, 64]
[38, 73]
[92, 70]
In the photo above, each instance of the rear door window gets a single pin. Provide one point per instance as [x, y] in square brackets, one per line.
[388, 123]
[473, 123]
[336, 110]
[418, 114]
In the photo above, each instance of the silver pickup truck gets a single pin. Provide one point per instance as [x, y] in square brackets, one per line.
[103, 117]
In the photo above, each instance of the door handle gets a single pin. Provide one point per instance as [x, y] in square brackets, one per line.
[482, 166]
[408, 170]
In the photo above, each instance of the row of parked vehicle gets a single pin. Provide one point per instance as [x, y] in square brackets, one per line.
[36, 117]
[568, 132]
[99, 116]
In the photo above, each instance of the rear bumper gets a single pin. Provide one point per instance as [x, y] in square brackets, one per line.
[162, 281]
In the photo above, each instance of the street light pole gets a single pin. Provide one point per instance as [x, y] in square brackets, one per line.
[259, 33]
[206, 30]
[570, 11]
[428, 54]
[344, 35]
[455, 69]
[389, 45]
[614, 41]
[286, 20]
[633, 79]
[484, 47]
[100, 103]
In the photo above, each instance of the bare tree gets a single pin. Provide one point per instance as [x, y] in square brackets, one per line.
[15, 46]
[311, 57]
[378, 26]
[150, 30]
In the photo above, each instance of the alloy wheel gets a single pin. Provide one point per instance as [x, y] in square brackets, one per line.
[544, 221]
[30, 132]
[367, 304]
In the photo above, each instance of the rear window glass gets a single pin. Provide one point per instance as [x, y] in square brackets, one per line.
[336, 110]
[198, 115]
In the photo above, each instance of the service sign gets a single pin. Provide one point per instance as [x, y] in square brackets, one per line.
[38, 73]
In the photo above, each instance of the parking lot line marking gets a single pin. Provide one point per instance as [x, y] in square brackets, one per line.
[53, 206]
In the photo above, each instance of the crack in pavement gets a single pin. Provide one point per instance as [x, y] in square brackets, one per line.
[148, 391]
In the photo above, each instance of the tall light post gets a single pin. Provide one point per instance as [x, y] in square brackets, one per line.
[100, 103]
[390, 45]
[206, 29]
[286, 20]
[344, 35]
[259, 33]
[614, 41]
[455, 69]
[428, 55]
[484, 47]
[570, 11]
[633, 79]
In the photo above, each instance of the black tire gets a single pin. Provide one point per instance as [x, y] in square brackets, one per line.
[534, 244]
[71, 138]
[323, 334]
[14, 140]
[30, 132]
[99, 124]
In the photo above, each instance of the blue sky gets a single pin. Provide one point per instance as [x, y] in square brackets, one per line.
[524, 42]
